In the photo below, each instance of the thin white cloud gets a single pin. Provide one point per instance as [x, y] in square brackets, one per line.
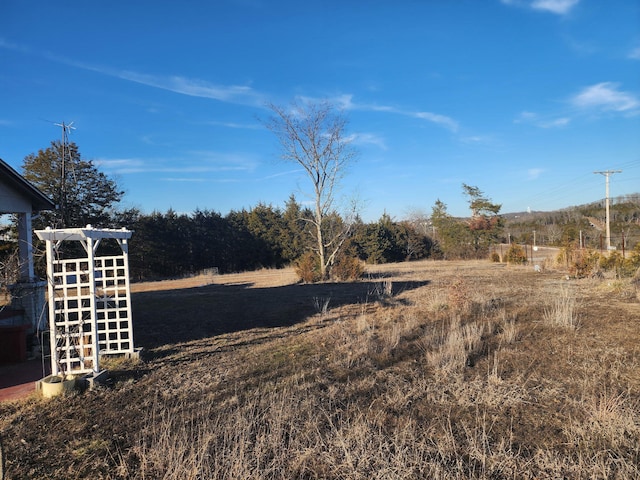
[241, 126]
[183, 179]
[196, 162]
[186, 86]
[367, 139]
[532, 118]
[484, 140]
[559, 7]
[240, 94]
[525, 116]
[441, 120]
[634, 54]
[282, 174]
[345, 102]
[534, 173]
[13, 46]
[606, 97]
[121, 165]
[557, 123]
[601, 98]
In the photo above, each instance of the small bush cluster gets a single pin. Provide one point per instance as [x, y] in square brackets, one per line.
[516, 255]
[583, 263]
[347, 268]
[307, 268]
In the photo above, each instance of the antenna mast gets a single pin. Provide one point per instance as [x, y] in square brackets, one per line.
[66, 129]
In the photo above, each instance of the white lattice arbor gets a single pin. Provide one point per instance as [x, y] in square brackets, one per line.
[89, 299]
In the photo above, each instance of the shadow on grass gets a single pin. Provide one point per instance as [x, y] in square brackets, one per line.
[174, 316]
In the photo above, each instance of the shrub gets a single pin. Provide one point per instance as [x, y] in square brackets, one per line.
[622, 267]
[495, 257]
[307, 267]
[579, 262]
[516, 255]
[611, 261]
[584, 263]
[634, 256]
[347, 268]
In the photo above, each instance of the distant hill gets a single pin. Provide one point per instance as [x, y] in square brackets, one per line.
[582, 223]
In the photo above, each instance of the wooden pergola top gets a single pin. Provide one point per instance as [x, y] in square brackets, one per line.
[82, 234]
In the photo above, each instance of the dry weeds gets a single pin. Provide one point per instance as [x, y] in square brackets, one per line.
[422, 370]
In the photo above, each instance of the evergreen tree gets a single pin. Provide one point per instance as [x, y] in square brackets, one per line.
[452, 237]
[84, 195]
[485, 224]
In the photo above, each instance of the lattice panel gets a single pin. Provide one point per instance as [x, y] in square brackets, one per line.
[113, 305]
[73, 307]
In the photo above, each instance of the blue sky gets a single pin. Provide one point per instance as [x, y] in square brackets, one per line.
[524, 99]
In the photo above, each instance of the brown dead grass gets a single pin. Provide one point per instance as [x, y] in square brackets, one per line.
[420, 370]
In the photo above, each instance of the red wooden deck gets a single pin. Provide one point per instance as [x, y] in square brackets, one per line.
[18, 380]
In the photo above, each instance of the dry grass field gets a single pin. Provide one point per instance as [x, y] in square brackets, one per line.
[420, 370]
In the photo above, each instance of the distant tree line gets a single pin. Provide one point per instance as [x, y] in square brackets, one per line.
[582, 225]
[169, 245]
[166, 245]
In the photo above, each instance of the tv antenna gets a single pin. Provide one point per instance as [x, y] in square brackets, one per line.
[66, 152]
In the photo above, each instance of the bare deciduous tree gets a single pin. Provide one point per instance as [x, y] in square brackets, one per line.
[313, 136]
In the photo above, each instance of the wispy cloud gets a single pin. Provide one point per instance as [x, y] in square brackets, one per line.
[606, 97]
[367, 139]
[239, 94]
[557, 123]
[194, 162]
[634, 54]
[441, 120]
[13, 46]
[241, 126]
[194, 87]
[601, 98]
[559, 7]
[346, 102]
[282, 174]
[534, 173]
[225, 160]
[484, 140]
[121, 165]
[183, 179]
[532, 118]
[526, 116]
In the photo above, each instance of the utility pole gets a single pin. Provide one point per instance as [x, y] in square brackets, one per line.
[607, 174]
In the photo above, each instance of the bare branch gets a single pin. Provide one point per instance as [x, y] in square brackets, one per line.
[313, 136]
